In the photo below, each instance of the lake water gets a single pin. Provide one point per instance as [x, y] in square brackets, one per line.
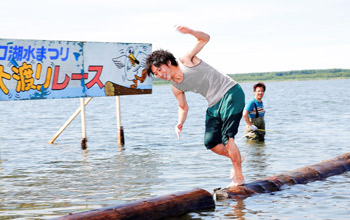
[41, 181]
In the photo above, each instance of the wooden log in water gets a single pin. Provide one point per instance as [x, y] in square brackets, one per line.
[318, 171]
[172, 205]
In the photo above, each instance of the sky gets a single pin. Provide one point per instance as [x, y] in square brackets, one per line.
[246, 36]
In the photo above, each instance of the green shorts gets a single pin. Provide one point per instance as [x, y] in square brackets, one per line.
[222, 119]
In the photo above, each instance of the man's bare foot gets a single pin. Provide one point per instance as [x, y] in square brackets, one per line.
[235, 180]
[232, 184]
[239, 180]
[233, 173]
[235, 183]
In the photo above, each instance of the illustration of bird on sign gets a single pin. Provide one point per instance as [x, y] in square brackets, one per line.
[132, 61]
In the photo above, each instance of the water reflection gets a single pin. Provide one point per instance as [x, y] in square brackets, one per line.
[255, 158]
[0, 163]
[252, 143]
[238, 208]
[85, 155]
[234, 208]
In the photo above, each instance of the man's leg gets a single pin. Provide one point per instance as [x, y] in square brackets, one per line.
[221, 150]
[236, 159]
[231, 151]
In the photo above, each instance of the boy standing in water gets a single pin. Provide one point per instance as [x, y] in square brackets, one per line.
[225, 97]
[253, 114]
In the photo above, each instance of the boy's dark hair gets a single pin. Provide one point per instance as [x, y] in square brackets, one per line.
[259, 84]
[158, 58]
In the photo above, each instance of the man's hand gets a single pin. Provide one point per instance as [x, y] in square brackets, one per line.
[182, 29]
[178, 129]
[254, 128]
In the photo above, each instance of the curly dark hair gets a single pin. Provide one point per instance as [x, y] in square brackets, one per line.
[158, 58]
[259, 84]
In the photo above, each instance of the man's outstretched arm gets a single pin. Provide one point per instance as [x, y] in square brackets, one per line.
[190, 58]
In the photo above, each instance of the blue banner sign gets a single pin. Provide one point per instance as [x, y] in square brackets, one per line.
[40, 69]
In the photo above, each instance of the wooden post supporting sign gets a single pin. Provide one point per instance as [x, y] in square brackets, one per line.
[83, 124]
[119, 123]
[65, 125]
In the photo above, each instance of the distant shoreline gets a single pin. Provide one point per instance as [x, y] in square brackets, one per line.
[294, 75]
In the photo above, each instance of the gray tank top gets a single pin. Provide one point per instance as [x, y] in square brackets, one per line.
[205, 80]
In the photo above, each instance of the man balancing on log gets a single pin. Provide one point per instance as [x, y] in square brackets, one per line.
[225, 97]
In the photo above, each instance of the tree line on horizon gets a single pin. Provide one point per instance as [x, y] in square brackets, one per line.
[292, 75]
[283, 75]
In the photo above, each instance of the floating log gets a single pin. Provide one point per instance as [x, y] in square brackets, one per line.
[172, 205]
[318, 171]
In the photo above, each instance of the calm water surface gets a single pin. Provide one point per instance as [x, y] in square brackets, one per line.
[41, 181]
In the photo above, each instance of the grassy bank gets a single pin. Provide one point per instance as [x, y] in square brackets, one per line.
[293, 75]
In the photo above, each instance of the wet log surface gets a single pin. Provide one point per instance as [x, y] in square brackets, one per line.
[318, 171]
[167, 206]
